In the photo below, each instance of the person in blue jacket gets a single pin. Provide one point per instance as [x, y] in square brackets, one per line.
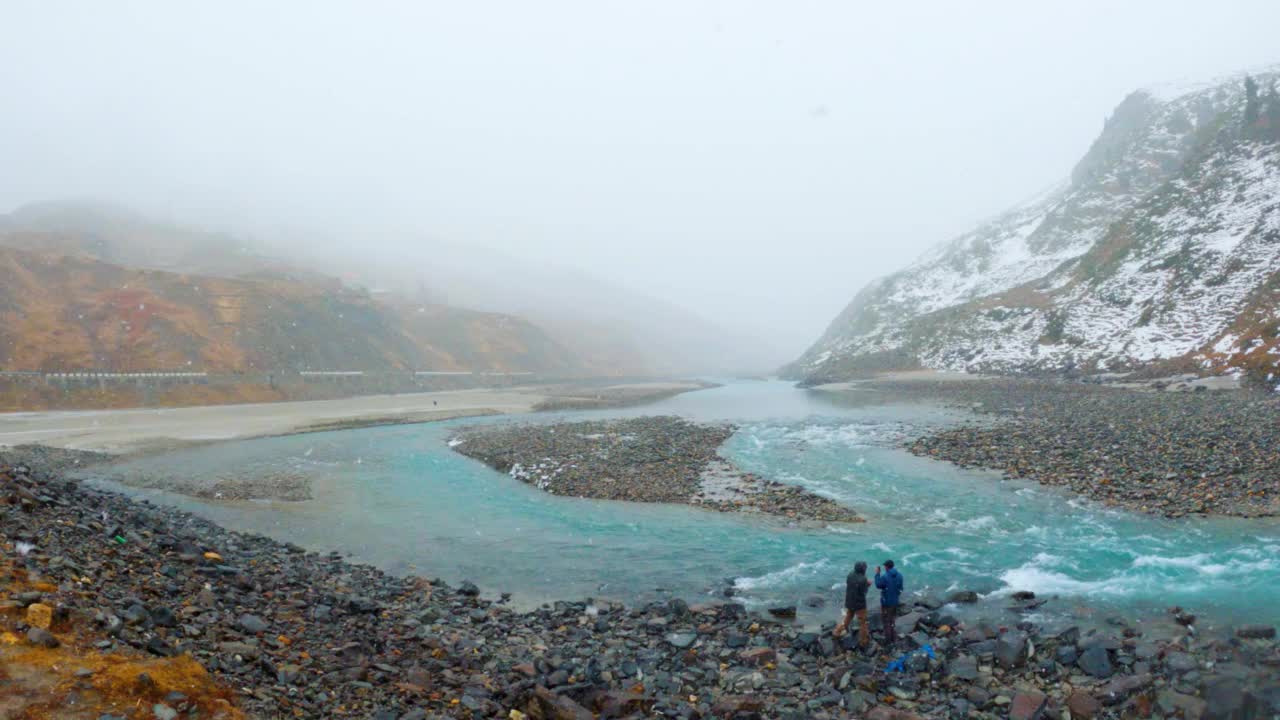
[890, 585]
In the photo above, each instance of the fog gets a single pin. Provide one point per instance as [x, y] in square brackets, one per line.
[753, 163]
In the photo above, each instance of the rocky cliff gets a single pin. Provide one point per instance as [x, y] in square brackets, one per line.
[1162, 252]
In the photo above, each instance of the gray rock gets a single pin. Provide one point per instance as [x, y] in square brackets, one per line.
[1181, 662]
[681, 640]
[858, 701]
[164, 617]
[1011, 650]
[964, 667]
[1260, 632]
[252, 624]
[1226, 698]
[163, 712]
[1172, 702]
[1066, 655]
[1119, 689]
[1096, 661]
[1027, 706]
[42, 637]
[978, 696]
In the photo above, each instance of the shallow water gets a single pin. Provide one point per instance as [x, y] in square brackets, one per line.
[399, 498]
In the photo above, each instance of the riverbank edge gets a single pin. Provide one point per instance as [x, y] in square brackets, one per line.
[252, 488]
[122, 432]
[300, 634]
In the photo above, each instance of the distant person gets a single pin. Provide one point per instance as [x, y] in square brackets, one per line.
[855, 603]
[890, 585]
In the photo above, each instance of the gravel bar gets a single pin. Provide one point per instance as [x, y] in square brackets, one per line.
[1172, 454]
[661, 459]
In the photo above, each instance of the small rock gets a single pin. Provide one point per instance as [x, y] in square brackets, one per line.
[40, 615]
[681, 640]
[1027, 706]
[1258, 632]
[1096, 661]
[1011, 650]
[963, 667]
[1117, 690]
[1083, 705]
[252, 624]
[757, 656]
[42, 638]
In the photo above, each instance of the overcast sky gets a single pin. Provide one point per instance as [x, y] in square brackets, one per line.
[756, 162]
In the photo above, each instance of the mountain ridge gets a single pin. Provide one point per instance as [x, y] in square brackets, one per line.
[1159, 253]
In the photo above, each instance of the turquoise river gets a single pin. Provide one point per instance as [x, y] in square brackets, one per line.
[398, 497]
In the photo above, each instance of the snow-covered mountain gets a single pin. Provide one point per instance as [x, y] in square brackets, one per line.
[1162, 252]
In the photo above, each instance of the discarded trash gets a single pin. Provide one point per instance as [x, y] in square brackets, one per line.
[900, 665]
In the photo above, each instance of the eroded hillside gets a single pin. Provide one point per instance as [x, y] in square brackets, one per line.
[61, 313]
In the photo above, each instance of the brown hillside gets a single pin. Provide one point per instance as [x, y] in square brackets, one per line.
[61, 312]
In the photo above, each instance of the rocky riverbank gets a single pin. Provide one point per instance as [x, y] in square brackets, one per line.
[152, 600]
[1172, 454]
[648, 459]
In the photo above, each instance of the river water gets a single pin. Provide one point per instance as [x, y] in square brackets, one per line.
[398, 497]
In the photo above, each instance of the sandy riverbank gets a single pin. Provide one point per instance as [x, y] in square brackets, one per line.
[144, 429]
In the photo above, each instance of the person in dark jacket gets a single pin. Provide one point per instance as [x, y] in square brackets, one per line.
[890, 585]
[855, 603]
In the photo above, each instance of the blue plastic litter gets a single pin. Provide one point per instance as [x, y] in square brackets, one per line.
[900, 665]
